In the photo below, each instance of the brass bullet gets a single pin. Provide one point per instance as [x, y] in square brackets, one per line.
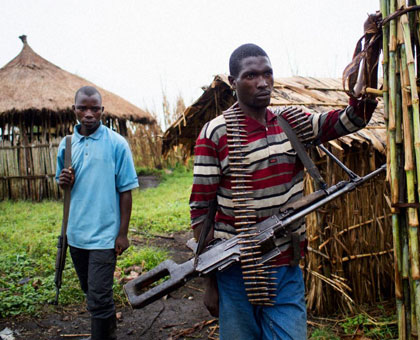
[250, 260]
[239, 169]
[249, 248]
[249, 272]
[241, 193]
[237, 224]
[252, 265]
[245, 216]
[254, 277]
[251, 254]
[244, 199]
[255, 283]
[240, 230]
[254, 289]
[241, 175]
[259, 300]
[256, 294]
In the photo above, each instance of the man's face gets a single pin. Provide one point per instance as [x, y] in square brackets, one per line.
[88, 111]
[254, 83]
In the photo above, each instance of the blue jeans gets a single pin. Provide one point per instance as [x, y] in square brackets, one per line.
[239, 320]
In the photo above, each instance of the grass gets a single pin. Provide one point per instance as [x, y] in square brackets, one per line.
[28, 237]
[323, 334]
[165, 208]
[383, 327]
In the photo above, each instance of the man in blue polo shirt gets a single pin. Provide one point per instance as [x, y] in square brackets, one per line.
[102, 176]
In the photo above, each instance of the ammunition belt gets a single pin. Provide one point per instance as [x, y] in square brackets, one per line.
[259, 286]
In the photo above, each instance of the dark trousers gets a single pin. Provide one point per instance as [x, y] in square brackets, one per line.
[95, 269]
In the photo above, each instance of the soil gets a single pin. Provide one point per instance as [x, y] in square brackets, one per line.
[174, 317]
[181, 315]
[150, 181]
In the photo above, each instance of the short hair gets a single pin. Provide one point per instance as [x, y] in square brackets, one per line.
[243, 51]
[88, 91]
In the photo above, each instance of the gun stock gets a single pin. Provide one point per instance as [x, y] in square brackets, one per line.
[178, 275]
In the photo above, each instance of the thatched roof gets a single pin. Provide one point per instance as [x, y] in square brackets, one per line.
[312, 94]
[30, 82]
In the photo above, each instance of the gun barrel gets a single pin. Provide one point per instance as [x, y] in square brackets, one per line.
[333, 192]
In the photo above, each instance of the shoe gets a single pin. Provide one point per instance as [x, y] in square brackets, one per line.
[104, 329]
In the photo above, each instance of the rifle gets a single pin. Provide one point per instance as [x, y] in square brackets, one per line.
[223, 253]
[60, 260]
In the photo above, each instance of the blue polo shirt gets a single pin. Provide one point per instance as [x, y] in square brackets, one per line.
[103, 168]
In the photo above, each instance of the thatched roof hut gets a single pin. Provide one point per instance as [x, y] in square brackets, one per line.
[350, 240]
[35, 113]
[32, 87]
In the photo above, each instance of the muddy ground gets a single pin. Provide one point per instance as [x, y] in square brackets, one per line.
[181, 315]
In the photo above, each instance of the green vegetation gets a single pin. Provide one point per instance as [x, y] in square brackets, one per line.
[144, 171]
[165, 208]
[323, 334]
[384, 327]
[28, 237]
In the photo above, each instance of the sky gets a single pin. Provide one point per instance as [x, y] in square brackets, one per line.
[140, 49]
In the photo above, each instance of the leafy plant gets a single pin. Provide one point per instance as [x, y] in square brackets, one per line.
[384, 328]
[323, 334]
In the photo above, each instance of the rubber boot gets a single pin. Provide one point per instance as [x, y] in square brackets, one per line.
[104, 329]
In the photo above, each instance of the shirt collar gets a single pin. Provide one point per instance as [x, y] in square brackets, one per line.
[96, 135]
[253, 125]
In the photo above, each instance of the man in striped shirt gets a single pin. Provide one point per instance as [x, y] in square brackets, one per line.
[276, 179]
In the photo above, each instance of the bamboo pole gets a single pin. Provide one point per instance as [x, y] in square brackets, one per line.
[393, 166]
[413, 242]
[409, 168]
[402, 37]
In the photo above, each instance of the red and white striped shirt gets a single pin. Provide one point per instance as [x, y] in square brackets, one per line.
[277, 173]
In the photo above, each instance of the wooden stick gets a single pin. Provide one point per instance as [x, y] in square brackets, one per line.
[74, 335]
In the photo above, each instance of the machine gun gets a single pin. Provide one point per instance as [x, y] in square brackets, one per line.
[223, 253]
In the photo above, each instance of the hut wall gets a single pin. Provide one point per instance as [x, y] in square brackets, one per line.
[28, 152]
[350, 240]
[27, 171]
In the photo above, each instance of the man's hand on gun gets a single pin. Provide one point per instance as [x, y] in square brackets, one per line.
[211, 293]
[66, 177]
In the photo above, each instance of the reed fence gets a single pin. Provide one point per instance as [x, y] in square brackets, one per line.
[349, 260]
[27, 171]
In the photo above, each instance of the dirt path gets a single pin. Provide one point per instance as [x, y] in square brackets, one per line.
[182, 312]
[180, 316]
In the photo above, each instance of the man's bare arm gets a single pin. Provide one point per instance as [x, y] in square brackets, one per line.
[122, 243]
